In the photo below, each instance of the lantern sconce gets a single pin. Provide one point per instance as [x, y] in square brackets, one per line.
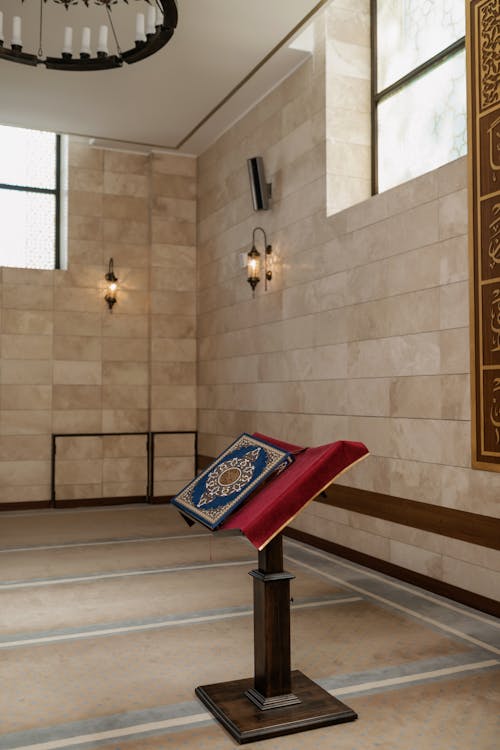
[253, 262]
[112, 282]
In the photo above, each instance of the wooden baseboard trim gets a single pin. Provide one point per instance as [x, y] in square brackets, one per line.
[25, 505]
[100, 501]
[469, 598]
[457, 524]
[86, 502]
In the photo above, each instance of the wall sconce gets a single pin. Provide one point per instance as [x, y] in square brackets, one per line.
[112, 282]
[253, 263]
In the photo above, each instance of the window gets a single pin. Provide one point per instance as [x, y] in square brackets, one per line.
[29, 198]
[419, 119]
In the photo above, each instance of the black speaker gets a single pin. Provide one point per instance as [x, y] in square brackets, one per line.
[261, 190]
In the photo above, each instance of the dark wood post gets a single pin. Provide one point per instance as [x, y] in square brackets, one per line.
[271, 594]
[242, 706]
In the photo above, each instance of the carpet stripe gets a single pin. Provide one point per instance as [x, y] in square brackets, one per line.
[397, 585]
[104, 542]
[158, 624]
[394, 605]
[185, 721]
[418, 677]
[37, 582]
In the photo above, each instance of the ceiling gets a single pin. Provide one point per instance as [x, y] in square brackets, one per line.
[181, 98]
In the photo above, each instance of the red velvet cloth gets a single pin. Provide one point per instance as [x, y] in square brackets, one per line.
[279, 501]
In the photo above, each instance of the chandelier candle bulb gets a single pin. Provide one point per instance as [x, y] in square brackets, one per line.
[68, 41]
[78, 49]
[16, 32]
[151, 20]
[102, 47]
[140, 36]
[85, 49]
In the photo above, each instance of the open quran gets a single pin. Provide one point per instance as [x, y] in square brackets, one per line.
[231, 479]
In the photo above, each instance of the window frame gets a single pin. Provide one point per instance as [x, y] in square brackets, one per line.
[378, 96]
[56, 192]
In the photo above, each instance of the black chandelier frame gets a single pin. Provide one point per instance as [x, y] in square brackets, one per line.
[102, 60]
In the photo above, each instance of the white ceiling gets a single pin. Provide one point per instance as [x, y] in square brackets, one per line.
[162, 99]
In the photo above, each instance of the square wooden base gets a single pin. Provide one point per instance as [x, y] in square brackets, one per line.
[247, 723]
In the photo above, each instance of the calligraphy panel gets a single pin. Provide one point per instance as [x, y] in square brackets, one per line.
[483, 61]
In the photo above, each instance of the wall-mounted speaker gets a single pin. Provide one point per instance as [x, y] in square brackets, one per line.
[261, 190]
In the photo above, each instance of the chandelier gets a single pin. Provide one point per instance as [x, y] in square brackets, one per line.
[153, 29]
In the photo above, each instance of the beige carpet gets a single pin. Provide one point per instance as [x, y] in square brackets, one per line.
[110, 618]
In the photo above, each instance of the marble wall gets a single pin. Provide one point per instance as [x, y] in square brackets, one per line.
[68, 365]
[363, 333]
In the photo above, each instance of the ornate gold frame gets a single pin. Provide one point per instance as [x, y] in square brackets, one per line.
[483, 83]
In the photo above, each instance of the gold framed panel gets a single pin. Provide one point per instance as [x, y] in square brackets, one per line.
[483, 76]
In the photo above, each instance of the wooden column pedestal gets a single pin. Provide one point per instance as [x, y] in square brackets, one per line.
[276, 701]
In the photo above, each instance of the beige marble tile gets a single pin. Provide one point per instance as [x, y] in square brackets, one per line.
[124, 420]
[121, 230]
[76, 397]
[167, 327]
[124, 446]
[82, 203]
[136, 185]
[125, 207]
[15, 372]
[125, 373]
[124, 326]
[173, 186]
[453, 212]
[85, 179]
[124, 489]
[172, 164]
[125, 349]
[76, 420]
[124, 469]
[27, 322]
[174, 445]
[27, 297]
[78, 471]
[421, 561]
[120, 161]
[84, 228]
[38, 397]
[79, 448]
[483, 581]
[173, 419]
[173, 373]
[77, 373]
[124, 396]
[25, 422]
[14, 473]
[173, 396]
[80, 155]
[77, 348]
[24, 447]
[27, 347]
[86, 323]
[77, 299]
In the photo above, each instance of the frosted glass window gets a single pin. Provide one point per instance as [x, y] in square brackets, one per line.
[28, 234]
[27, 157]
[409, 32]
[423, 125]
[28, 198]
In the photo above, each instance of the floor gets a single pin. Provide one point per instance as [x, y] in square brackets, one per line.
[109, 618]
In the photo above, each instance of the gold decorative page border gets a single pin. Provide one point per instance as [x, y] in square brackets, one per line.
[483, 32]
